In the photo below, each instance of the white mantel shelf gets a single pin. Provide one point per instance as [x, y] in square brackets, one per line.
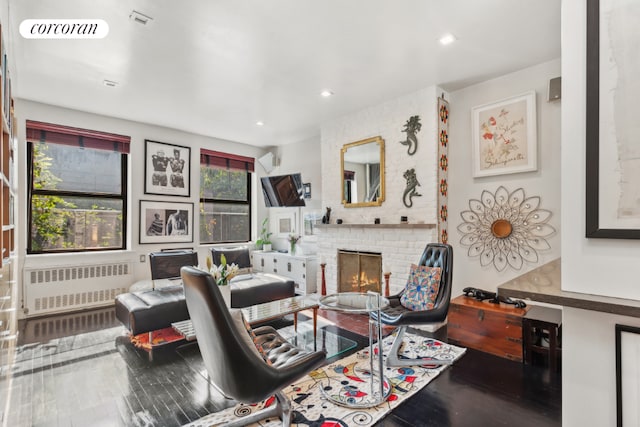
[408, 226]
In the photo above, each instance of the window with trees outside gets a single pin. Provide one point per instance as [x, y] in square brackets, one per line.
[77, 189]
[225, 197]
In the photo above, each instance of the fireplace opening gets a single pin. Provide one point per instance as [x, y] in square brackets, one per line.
[359, 271]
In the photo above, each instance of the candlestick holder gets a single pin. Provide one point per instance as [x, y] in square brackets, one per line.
[386, 284]
[323, 288]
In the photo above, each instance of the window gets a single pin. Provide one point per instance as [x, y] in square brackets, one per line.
[225, 194]
[77, 189]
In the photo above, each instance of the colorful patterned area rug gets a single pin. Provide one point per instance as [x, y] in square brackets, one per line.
[348, 380]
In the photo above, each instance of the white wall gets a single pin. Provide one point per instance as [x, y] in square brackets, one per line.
[304, 158]
[27, 110]
[543, 182]
[589, 367]
[386, 120]
[583, 259]
[592, 266]
[399, 248]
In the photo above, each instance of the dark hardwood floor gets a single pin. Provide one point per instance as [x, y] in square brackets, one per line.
[81, 370]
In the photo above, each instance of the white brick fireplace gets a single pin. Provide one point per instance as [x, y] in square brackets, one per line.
[400, 246]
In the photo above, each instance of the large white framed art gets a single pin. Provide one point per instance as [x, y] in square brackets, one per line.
[612, 125]
[504, 136]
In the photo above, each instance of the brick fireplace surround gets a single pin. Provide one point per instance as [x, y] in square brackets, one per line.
[400, 246]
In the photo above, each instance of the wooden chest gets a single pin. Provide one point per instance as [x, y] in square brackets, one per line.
[485, 326]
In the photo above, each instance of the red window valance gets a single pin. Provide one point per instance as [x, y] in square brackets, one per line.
[349, 175]
[226, 160]
[66, 135]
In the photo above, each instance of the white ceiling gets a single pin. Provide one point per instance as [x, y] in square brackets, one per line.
[215, 67]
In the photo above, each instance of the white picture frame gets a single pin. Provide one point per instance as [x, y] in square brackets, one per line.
[165, 222]
[167, 169]
[504, 136]
[285, 224]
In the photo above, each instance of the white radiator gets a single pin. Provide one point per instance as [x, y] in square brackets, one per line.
[67, 288]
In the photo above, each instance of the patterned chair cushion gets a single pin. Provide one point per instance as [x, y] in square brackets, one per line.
[422, 288]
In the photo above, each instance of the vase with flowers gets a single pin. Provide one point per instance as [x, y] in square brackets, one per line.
[293, 240]
[222, 274]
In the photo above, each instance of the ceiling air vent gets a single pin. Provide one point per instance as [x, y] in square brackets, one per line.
[140, 18]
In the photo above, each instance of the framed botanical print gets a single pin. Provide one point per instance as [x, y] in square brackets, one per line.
[167, 169]
[504, 136]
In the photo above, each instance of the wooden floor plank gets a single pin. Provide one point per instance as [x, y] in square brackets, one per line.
[81, 369]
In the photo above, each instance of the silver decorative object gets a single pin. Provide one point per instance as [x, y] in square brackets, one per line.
[410, 190]
[411, 128]
[505, 228]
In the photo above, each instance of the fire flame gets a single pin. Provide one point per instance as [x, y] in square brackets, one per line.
[363, 283]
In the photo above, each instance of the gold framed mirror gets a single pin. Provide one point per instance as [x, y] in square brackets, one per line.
[362, 173]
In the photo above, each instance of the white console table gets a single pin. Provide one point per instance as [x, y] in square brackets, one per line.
[302, 269]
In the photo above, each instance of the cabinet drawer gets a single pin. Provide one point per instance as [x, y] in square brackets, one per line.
[301, 269]
[297, 269]
[263, 262]
[301, 288]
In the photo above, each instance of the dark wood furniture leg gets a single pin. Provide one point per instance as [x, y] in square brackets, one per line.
[323, 288]
[542, 323]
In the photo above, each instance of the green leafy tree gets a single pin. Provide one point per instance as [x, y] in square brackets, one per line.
[49, 214]
[222, 184]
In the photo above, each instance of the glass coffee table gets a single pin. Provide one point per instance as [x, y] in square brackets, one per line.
[276, 309]
[354, 302]
[265, 312]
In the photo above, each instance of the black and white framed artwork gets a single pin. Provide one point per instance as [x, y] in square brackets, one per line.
[167, 169]
[165, 222]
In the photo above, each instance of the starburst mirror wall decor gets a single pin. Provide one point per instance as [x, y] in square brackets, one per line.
[505, 228]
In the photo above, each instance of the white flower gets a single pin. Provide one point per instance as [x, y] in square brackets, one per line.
[216, 272]
[224, 272]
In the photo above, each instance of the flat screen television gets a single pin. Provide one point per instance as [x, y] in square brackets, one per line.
[283, 190]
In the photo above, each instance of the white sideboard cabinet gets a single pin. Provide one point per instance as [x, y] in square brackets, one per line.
[302, 269]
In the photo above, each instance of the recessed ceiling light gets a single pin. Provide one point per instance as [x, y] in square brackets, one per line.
[140, 18]
[447, 39]
[259, 123]
[109, 83]
[326, 93]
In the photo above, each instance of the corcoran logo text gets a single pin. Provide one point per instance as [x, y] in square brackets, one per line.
[64, 28]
